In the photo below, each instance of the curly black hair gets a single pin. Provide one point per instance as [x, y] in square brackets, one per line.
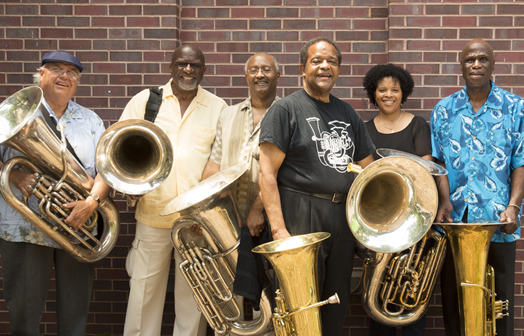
[305, 49]
[381, 71]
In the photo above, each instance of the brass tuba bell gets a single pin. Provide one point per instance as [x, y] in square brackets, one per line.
[134, 157]
[478, 307]
[294, 260]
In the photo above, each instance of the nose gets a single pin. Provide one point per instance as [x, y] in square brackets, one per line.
[260, 73]
[63, 73]
[476, 63]
[324, 64]
[188, 67]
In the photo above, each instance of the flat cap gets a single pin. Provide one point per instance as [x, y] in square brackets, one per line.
[62, 56]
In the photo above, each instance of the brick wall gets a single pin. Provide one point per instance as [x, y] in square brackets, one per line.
[125, 46]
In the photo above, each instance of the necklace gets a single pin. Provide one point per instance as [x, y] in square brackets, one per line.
[391, 128]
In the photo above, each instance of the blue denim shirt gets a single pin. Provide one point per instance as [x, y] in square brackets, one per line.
[480, 150]
[83, 130]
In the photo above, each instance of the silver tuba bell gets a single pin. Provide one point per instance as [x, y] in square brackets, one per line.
[134, 157]
[390, 208]
[60, 179]
[209, 267]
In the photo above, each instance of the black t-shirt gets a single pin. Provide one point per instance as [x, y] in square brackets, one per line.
[319, 140]
[414, 139]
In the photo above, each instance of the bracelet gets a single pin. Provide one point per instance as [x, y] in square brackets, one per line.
[513, 205]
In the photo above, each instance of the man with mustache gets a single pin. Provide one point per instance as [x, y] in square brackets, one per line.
[28, 256]
[307, 141]
[188, 114]
[237, 137]
[477, 136]
[238, 131]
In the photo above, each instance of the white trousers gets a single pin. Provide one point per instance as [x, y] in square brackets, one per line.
[148, 267]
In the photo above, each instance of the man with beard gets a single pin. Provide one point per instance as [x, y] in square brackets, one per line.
[307, 141]
[477, 136]
[188, 115]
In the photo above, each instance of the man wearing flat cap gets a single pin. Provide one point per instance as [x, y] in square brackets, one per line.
[28, 257]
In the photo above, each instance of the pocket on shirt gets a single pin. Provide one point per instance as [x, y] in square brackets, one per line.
[203, 138]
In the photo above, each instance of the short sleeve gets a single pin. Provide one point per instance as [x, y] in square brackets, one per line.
[276, 127]
[435, 141]
[422, 137]
[517, 159]
[365, 146]
[216, 151]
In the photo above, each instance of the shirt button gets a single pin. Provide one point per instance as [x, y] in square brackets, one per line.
[472, 159]
[471, 179]
[465, 200]
[474, 137]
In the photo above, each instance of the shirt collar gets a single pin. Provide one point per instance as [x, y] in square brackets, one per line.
[68, 114]
[246, 104]
[200, 98]
[494, 100]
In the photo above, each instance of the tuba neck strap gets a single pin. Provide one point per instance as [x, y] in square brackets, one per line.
[52, 125]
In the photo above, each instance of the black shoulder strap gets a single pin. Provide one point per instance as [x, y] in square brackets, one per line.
[153, 104]
[52, 125]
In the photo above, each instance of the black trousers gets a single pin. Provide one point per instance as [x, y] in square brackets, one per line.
[307, 214]
[415, 329]
[501, 257]
[26, 272]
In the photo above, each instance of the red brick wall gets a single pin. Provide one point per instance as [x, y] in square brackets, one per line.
[125, 46]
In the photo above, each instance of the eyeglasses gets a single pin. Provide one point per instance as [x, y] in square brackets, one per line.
[183, 65]
[254, 71]
[59, 72]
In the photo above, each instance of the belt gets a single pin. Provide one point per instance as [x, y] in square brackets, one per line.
[335, 197]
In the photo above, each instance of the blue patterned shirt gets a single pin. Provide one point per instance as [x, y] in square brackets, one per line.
[480, 150]
[83, 130]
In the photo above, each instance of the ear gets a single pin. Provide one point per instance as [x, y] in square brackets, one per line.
[205, 68]
[278, 76]
[302, 70]
[171, 66]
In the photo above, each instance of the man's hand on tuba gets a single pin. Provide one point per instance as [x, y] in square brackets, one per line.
[82, 210]
[23, 181]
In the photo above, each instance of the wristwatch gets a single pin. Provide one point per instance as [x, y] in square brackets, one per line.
[95, 197]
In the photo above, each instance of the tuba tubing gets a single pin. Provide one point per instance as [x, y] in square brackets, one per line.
[390, 208]
[26, 131]
[209, 262]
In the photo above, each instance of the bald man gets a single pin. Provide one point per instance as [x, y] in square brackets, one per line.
[188, 114]
[477, 136]
[237, 136]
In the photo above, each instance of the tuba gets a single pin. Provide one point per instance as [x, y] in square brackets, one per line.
[134, 157]
[478, 307]
[24, 128]
[209, 266]
[294, 260]
[390, 208]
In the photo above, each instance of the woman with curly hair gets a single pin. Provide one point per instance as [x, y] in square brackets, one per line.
[388, 87]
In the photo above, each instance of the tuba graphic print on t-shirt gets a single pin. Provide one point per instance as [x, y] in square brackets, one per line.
[333, 146]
